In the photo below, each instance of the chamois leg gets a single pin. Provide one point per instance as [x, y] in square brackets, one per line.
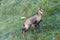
[38, 26]
[34, 27]
[23, 32]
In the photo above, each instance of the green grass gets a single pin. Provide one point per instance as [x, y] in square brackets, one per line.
[11, 24]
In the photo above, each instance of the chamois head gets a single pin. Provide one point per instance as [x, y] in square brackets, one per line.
[40, 11]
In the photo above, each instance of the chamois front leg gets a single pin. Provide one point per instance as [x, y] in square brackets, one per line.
[38, 23]
[34, 27]
[38, 26]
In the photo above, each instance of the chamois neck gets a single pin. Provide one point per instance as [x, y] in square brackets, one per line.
[39, 14]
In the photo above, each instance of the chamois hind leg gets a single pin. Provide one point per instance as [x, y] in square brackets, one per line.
[24, 31]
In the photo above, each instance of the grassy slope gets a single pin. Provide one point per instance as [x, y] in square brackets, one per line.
[11, 24]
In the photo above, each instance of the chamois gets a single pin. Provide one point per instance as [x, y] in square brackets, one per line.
[33, 21]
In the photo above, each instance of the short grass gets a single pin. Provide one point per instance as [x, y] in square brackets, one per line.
[11, 24]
